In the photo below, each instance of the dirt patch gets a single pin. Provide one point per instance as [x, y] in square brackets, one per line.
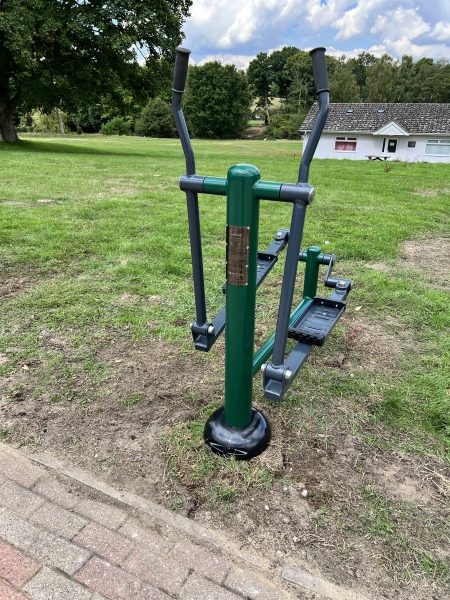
[13, 203]
[254, 132]
[14, 285]
[430, 256]
[112, 425]
[427, 255]
[432, 193]
[367, 346]
[398, 484]
[330, 491]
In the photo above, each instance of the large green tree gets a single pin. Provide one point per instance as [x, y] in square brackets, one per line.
[261, 80]
[343, 83]
[381, 80]
[277, 60]
[217, 101]
[298, 72]
[69, 52]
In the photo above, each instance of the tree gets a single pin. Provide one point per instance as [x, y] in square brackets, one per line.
[381, 80]
[298, 72]
[432, 81]
[156, 120]
[63, 53]
[277, 61]
[359, 65]
[217, 101]
[343, 84]
[260, 78]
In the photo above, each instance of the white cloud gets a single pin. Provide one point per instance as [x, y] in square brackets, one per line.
[226, 24]
[359, 18]
[320, 14]
[400, 24]
[241, 28]
[241, 61]
[376, 50]
[441, 32]
[404, 46]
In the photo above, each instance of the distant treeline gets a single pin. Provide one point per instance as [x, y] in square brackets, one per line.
[277, 89]
[286, 74]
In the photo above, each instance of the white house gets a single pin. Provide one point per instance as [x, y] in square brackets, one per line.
[408, 132]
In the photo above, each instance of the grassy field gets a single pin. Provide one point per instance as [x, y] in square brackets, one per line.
[96, 301]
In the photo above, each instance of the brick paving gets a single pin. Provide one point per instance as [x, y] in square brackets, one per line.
[60, 540]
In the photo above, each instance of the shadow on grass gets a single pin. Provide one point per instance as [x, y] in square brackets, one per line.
[71, 148]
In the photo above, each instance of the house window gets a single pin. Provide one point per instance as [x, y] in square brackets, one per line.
[411, 144]
[392, 146]
[438, 147]
[345, 144]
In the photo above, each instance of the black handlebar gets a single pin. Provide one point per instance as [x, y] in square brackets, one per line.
[181, 69]
[320, 73]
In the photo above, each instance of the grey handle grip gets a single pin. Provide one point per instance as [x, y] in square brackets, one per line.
[181, 69]
[320, 72]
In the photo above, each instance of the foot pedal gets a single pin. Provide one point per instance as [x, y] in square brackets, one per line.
[316, 323]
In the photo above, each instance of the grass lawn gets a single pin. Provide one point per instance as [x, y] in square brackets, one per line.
[96, 359]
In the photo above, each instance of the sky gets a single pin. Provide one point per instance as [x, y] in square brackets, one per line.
[234, 31]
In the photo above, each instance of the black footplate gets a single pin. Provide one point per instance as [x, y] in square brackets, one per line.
[316, 323]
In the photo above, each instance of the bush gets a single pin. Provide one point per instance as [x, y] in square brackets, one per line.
[285, 125]
[156, 120]
[45, 122]
[86, 119]
[116, 126]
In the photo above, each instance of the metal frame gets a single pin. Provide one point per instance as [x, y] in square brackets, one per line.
[238, 428]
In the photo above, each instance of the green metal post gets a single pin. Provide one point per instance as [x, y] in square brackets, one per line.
[311, 272]
[238, 428]
[266, 349]
[242, 239]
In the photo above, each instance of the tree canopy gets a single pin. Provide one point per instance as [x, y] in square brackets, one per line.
[217, 101]
[69, 52]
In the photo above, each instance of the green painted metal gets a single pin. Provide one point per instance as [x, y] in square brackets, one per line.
[267, 190]
[264, 190]
[242, 211]
[313, 261]
[266, 349]
[215, 185]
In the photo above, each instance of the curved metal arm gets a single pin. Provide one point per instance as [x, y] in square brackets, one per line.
[299, 211]
[323, 96]
[179, 82]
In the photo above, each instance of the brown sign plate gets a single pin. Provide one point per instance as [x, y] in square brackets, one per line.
[237, 255]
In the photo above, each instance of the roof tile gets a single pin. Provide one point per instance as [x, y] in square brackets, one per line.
[367, 117]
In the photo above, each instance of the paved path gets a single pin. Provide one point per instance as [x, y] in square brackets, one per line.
[61, 540]
[64, 535]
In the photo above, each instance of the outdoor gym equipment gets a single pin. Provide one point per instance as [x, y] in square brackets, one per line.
[238, 428]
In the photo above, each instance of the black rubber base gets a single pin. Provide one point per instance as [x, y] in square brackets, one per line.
[243, 443]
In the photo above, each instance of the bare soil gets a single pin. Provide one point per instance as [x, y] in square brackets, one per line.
[318, 478]
[428, 255]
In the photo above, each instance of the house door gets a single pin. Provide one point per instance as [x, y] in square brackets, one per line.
[392, 146]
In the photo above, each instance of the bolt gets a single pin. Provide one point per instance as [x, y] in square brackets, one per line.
[263, 367]
[279, 235]
[211, 329]
[287, 374]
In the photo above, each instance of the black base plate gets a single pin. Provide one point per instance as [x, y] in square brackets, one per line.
[243, 443]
